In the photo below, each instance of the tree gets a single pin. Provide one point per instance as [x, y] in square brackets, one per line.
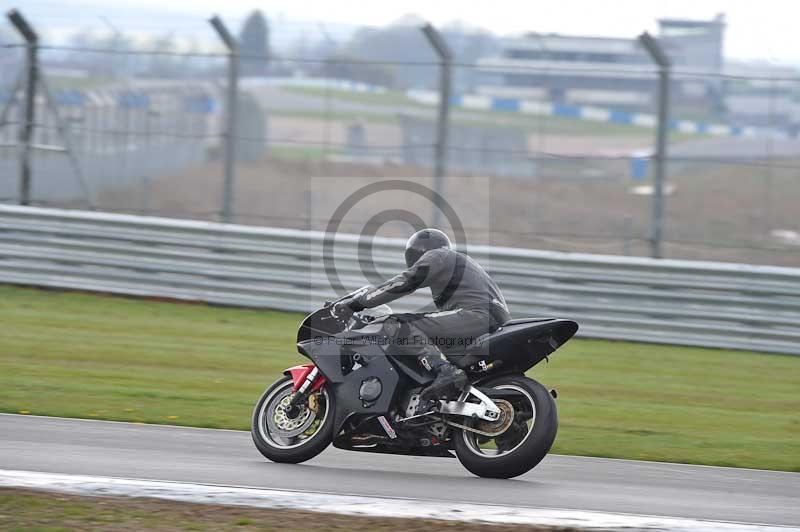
[342, 66]
[108, 64]
[254, 45]
[167, 64]
[405, 57]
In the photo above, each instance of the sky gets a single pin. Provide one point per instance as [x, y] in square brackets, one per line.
[756, 30]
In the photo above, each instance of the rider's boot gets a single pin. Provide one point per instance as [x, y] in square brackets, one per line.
[449, 380]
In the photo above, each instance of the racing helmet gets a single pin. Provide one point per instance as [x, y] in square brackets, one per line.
[425, 240]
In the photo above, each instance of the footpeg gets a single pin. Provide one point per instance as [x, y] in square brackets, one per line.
[427, 406]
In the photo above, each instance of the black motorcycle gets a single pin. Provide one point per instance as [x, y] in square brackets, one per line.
[360, 397]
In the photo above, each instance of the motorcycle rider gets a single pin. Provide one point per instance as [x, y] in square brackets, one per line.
[469, 305]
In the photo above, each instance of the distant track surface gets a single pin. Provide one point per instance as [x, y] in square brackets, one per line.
[226, 457]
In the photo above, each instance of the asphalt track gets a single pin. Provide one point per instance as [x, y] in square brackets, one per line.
[224, 457]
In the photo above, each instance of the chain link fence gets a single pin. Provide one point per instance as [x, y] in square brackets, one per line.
[568, 148]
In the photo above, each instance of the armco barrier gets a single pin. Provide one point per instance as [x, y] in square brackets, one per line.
[665, 301]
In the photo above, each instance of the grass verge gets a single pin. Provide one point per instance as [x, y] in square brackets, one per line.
[49, 512]
[94, 356]
[540, 124]
[389, 97]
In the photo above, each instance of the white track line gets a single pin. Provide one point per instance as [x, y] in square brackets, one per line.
[360, 505]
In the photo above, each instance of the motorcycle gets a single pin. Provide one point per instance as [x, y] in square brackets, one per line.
[358, 396]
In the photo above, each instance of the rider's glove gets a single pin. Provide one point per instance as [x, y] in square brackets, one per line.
[355, 305]
[346, 307]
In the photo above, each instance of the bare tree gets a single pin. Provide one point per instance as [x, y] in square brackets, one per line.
[254, 45]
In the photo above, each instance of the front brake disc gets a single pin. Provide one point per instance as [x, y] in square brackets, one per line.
[284, 426]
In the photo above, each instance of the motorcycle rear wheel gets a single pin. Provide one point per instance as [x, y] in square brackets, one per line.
[523, 445]
[292, 440]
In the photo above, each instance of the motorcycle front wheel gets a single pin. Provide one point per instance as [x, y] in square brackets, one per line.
[293, 437]
[529, 425]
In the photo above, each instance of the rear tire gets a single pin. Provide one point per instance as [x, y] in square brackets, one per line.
[268, 439]
[527, 453]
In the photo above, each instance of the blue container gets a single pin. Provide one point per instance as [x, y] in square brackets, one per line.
[639, 168]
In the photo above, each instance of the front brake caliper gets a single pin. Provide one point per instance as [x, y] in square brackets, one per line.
[313, 403]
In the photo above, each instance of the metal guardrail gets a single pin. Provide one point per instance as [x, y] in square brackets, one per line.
[664, 301]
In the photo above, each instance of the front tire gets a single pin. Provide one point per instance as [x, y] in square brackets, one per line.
[292, 440]
[524, 444]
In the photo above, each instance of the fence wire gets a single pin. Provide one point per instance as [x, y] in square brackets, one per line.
[568, 150]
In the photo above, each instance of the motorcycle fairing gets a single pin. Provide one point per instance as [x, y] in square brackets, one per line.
[410, 367]
[438, 451]
[299, 374]
[318, 324]
[346, 386]
[520, 344]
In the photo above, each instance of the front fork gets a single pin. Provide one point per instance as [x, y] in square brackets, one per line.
[307, 380]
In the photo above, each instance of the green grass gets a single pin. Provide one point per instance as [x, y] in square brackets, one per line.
[76, 83]
[300, 152]
[545, 125]
[32, 511]
[554, 125]
[90, 356]
[381, 98]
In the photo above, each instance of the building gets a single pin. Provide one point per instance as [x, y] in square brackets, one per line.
[762, 94]
[693, 44]
[609, 72]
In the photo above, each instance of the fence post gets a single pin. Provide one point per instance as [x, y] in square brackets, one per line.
[662, 61]
[231, 112]
[439, 45]
[29, 109]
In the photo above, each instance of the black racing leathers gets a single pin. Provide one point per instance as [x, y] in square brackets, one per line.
[469, 303]
[456, 281]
